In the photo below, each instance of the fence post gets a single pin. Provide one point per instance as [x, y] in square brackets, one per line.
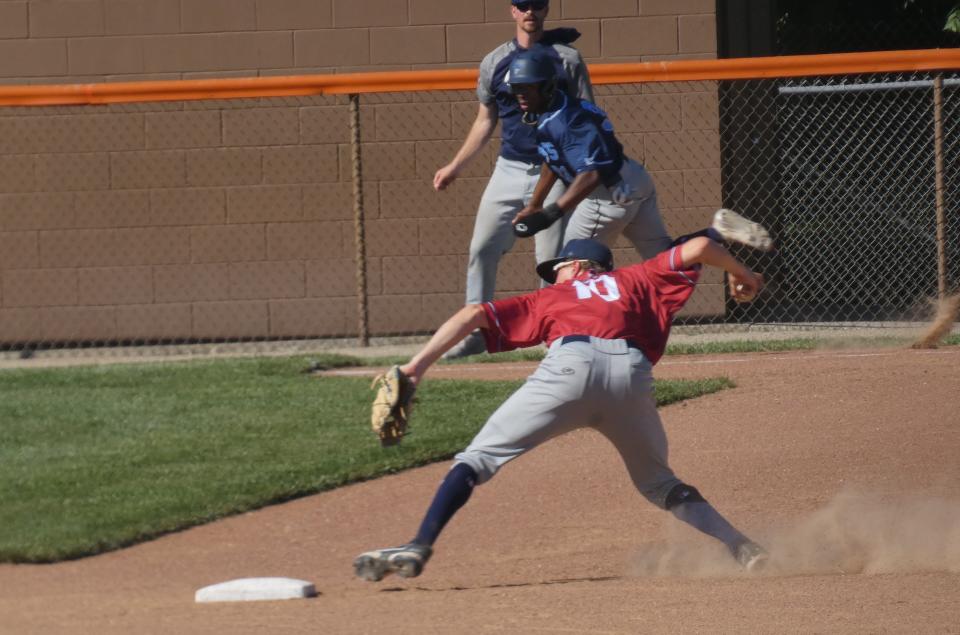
[363, 328]
[941, 190]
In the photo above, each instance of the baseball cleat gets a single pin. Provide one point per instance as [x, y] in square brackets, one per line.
[735, 228]
[751, 556]
[472, 344]
[407, 561]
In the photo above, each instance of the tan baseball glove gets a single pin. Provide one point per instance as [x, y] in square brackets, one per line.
[390, 413]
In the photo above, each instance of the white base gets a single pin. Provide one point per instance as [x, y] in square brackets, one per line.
[250, 589]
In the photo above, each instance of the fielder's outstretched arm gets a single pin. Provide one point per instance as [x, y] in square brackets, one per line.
[463, 322]
[702, 250]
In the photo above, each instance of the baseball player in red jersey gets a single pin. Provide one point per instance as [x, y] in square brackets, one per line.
[605, 329]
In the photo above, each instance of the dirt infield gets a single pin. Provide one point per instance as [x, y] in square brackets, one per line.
[845, 463]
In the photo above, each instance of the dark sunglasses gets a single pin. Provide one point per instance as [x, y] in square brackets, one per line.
[536, 5]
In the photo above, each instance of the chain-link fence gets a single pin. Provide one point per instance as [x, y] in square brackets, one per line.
[845, 171]
[241, 220]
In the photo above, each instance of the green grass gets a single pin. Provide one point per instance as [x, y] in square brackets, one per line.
[98, 458]
[705, 348]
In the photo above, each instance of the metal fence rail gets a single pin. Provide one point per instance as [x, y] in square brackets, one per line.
[314, 217]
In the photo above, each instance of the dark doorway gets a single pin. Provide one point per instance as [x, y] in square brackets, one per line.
[753, 28]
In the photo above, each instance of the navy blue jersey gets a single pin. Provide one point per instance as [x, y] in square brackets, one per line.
[518, 140]
[576, 136]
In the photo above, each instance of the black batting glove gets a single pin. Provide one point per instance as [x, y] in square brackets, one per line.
[538, 221]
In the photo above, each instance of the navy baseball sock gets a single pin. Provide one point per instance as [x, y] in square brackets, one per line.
[704, 517]
[452, 495]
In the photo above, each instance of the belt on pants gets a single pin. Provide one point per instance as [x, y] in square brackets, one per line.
[567, 339]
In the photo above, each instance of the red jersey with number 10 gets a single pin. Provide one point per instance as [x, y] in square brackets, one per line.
[635, 303]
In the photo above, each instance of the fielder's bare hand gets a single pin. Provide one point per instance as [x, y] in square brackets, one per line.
[746, 286]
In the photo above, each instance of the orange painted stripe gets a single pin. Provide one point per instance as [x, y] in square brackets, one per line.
[383, 82]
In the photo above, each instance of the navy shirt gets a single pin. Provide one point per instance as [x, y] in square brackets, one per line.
[576, 136]
[518, 140]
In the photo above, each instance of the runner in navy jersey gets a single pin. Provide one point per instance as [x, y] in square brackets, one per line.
[605, 329]
[607, 193]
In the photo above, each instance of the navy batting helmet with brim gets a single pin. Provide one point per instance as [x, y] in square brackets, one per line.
[531, 66]
[577, 249]
[534, 2]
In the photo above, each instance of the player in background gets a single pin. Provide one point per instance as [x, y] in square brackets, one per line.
[607, 193]
[605, 328]
[518, 165]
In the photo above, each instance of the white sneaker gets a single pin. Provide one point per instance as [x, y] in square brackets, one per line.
[473, 344]
[735, 228]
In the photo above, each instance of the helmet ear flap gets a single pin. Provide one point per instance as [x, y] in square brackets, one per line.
[549, 90]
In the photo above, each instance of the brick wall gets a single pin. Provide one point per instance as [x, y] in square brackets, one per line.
[44, 41]
[234, 219]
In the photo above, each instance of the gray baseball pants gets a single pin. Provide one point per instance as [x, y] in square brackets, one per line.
[602, 384]
[637, 218]
[508, 191]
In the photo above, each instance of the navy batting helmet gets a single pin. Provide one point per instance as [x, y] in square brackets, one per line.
[577, 249]
[532, 66]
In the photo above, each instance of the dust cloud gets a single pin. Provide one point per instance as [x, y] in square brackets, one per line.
[855, 533]
[947, 312]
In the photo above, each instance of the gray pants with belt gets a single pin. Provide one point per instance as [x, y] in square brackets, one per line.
[630, 209]
[602, 384]
[508, 191]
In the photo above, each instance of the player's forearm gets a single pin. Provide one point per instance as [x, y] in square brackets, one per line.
[462, 323]
[544, 185]
[534, 218]
[582, 186]
[480, 133]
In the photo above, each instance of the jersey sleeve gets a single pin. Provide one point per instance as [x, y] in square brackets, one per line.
[585, 147]
[673, 280]
[577, 80]
[513, 323]
[579, 77]
[485, 91]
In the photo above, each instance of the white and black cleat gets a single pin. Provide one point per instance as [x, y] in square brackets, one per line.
[737, 229]
[752, 557]
[407, 561]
